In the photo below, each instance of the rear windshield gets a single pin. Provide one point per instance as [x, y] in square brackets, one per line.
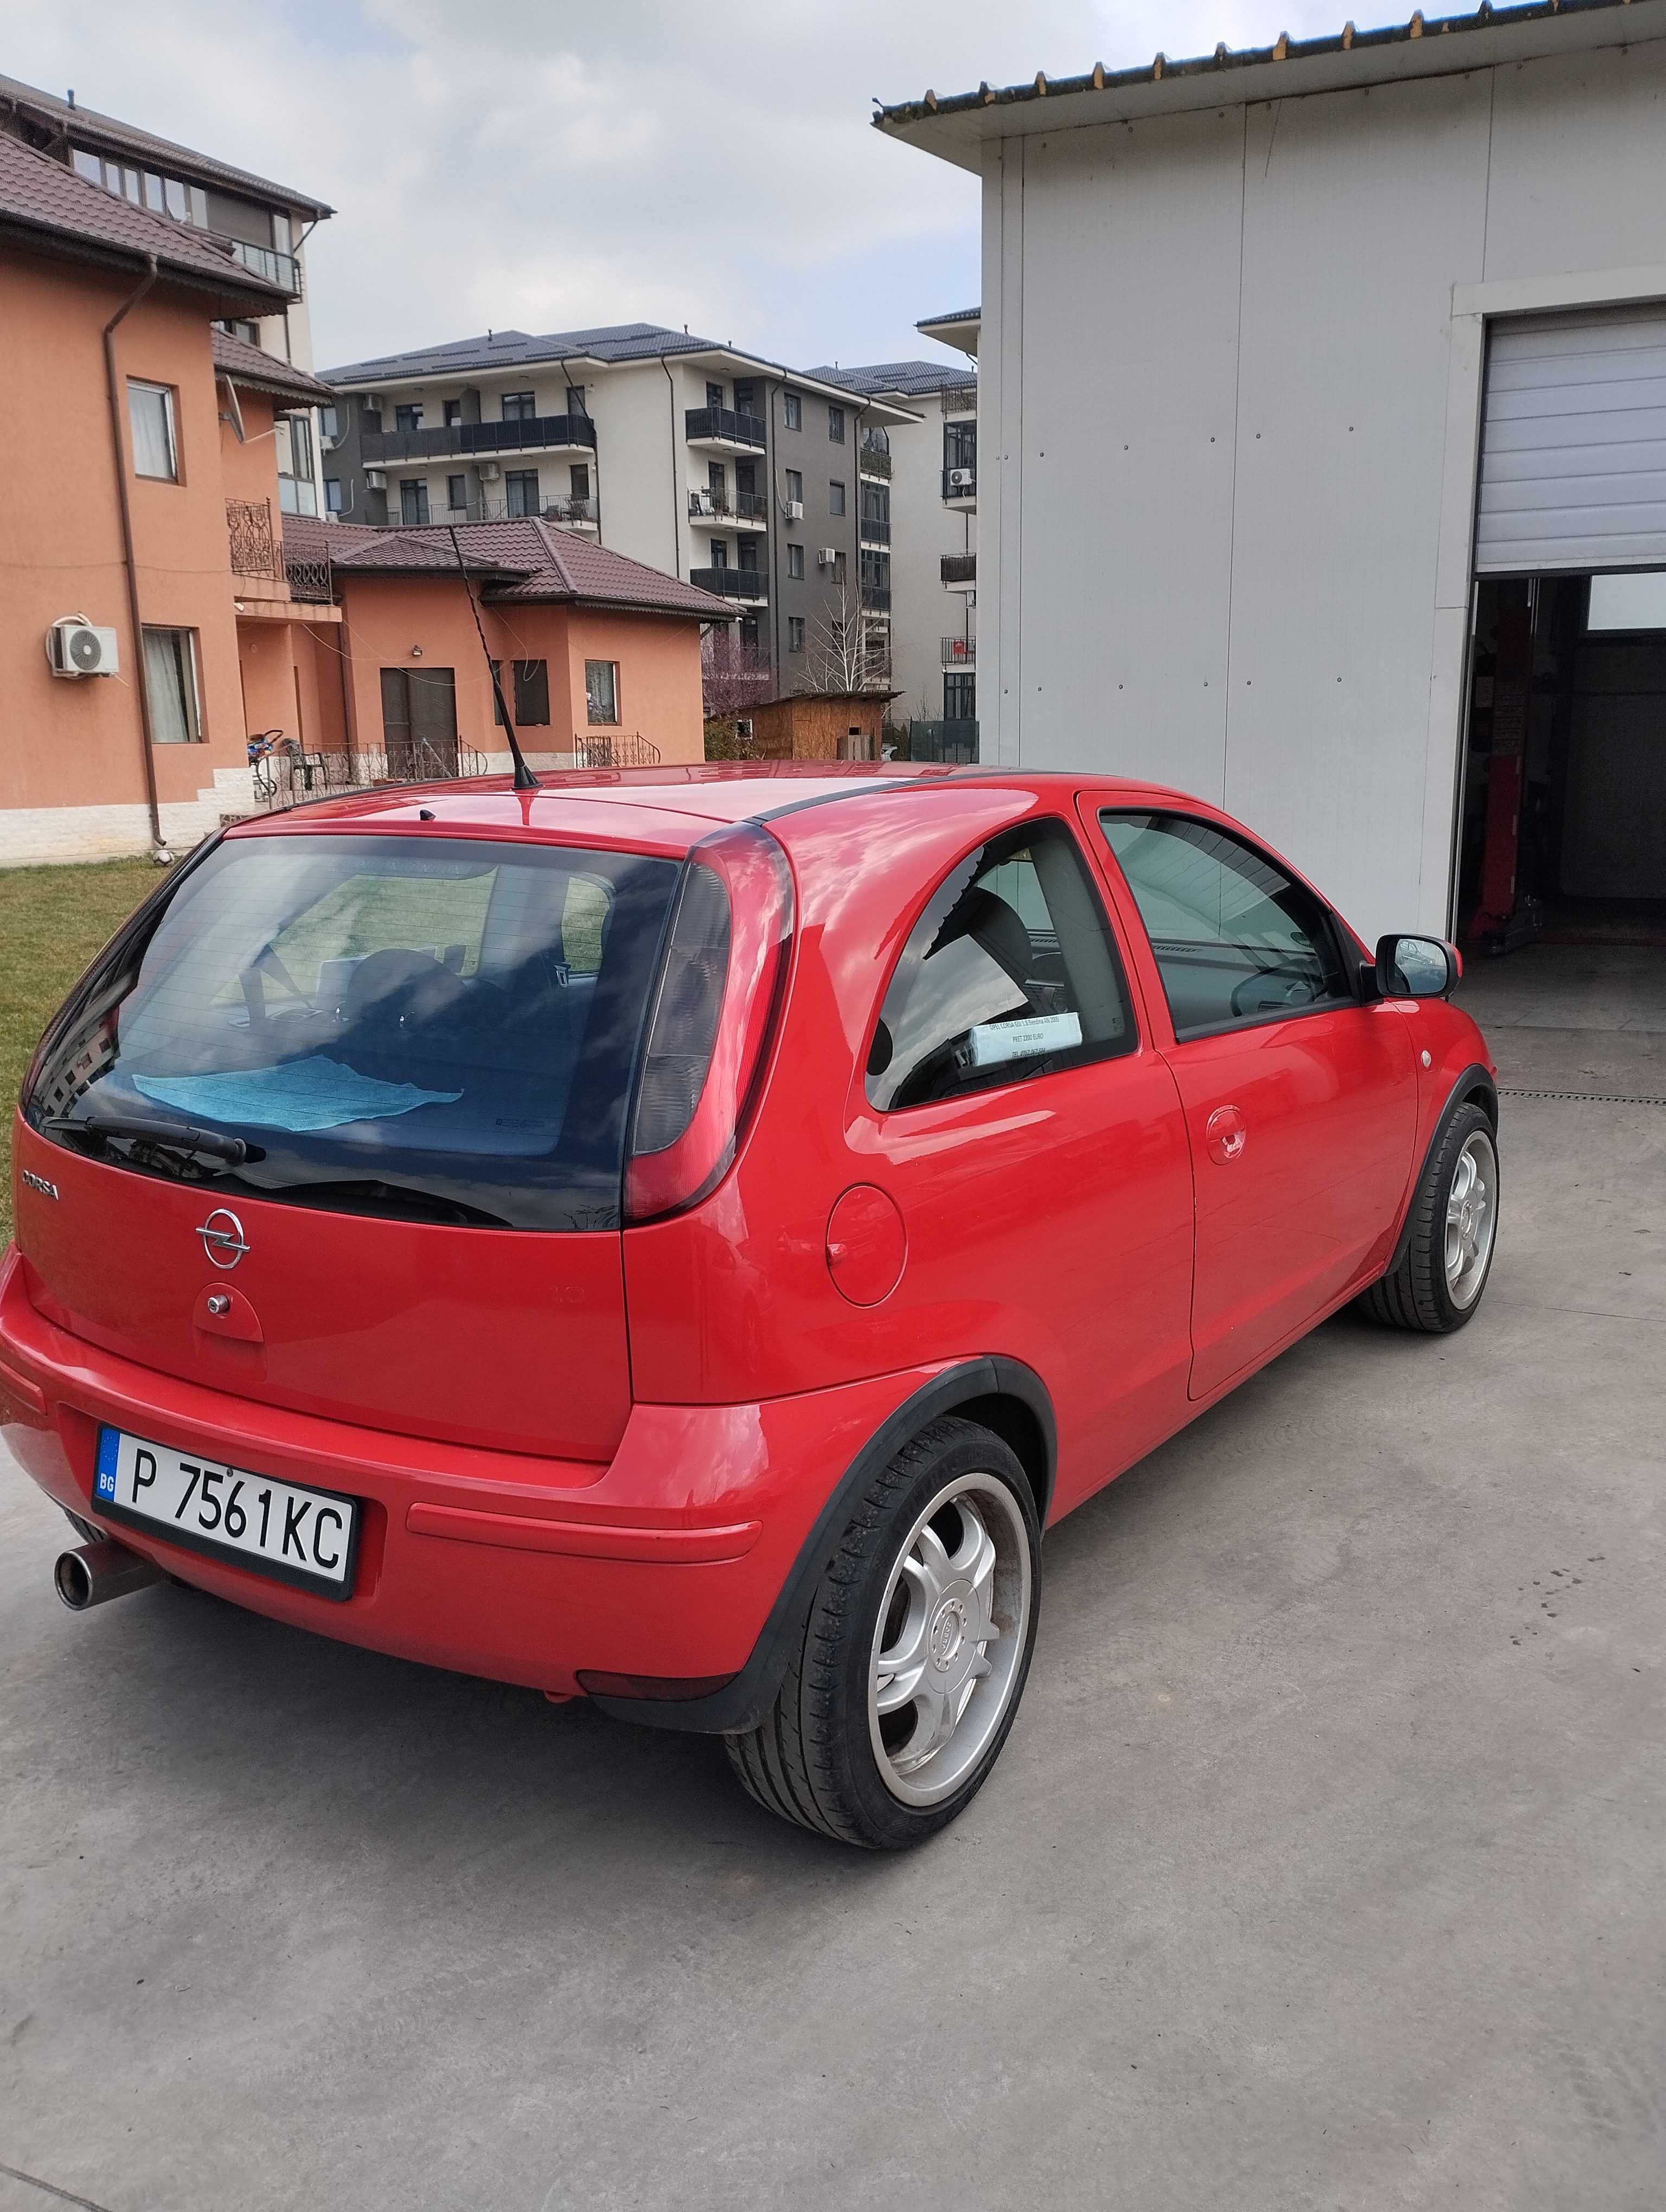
[431, 1028]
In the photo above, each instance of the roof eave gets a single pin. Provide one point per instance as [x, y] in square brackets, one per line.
[235, 294]
[96, 131]
[956, 128]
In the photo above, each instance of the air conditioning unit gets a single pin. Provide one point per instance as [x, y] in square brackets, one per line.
[375, 479]
[75, 647]
[794, 509]
[490, 471]
[828, 557]
[962, 479]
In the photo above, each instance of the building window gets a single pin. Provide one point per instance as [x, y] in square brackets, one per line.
[332, 495]
[795, 485]
[234, 328]
[876, 503]
[170, 686]
[795, 633]
[835, 497]
[454, 413]
[792, 411]
[519, 407]
[576, 399]
[960, 445]
[408, 418]
[457, 491]
[329, 424]
[297, 494]
[960, 697]
[532, 691]
[601, 690]
[795, 560]
[520, 489]
[749, 637]
[836, 425]
[579, 479]
[413, 500]
[746, 395]
[150, 412]
[714, 395]
[875, 570]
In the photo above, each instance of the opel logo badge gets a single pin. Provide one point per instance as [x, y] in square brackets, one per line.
[223, 1238]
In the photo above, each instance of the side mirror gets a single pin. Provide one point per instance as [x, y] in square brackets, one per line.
[1417, 967]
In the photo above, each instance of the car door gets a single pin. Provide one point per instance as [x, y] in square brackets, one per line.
[1300, 1093]
[1031, 1135]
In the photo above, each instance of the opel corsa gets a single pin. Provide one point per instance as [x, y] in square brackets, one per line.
[678, 1237]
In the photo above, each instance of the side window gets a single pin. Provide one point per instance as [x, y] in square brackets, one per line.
[1010, 972]
[1236, 939]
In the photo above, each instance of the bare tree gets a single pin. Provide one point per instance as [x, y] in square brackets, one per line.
[837, 654]
[733, 677]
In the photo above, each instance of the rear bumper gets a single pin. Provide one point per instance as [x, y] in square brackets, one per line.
[665, 1563]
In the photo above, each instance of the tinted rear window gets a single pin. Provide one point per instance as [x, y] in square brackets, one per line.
[433, 1027]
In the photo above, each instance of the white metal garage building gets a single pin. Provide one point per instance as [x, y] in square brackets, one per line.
[1317, 384]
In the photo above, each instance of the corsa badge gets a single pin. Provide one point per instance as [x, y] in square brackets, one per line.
[32, 1181]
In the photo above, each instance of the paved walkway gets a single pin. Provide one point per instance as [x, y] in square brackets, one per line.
[1326, 1867]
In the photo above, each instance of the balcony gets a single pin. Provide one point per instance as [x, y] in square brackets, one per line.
[874, 460]
[876, 599]
[280, 269]
[874, 532]
[253, 546]
[531, 433]
[723, 427]
[959, 570]
[959, 399]
[749, 583]
[740, 510]
[960, 486]
[959, 653]
[310, 579]
[572, 514]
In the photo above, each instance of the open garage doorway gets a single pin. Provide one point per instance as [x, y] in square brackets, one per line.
[1564, 830]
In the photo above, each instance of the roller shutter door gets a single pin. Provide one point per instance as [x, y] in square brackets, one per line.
[1573, 443]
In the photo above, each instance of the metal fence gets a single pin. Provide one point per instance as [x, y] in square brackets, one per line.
[290, 779]
[943, 741]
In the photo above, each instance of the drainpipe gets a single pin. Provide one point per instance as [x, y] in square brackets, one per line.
[159, 851]
[678, 476]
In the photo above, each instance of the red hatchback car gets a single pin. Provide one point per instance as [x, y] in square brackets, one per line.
[678, 1237]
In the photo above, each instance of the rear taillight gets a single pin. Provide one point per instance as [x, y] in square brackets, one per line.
[712, 1016]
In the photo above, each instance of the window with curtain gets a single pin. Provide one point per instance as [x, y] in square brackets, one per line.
[601, 690]
[170, 686]
[792, 411]
[150, 413]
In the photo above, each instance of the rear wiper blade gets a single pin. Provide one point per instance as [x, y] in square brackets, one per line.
[180, 1136]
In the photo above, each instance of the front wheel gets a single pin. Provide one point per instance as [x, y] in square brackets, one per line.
[896, 1704]
[1438, 1283]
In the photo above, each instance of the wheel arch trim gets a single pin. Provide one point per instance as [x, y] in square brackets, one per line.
[740, 1705]
[1476, 1085]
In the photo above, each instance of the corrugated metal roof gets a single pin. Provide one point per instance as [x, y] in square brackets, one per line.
[39, 197]
[88, 127]
[907, 377]
[1424, 45]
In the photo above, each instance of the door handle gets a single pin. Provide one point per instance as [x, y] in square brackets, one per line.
[1226, 1134]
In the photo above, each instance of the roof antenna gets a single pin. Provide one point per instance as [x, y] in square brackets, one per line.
[524, 778]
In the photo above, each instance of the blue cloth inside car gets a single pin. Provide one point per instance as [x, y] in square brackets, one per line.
[315, 1093]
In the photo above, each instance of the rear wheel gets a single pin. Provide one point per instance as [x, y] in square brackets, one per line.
[1438, 1283]
[897, 1701]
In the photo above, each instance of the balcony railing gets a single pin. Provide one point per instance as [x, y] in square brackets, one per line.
[634, 751]
[732, 583]
[959, 399]
[531, 433]
[960, 484]
[253, 547]
[959, 653]
[959, 568]
[874, 461]
[280, 269]
[943, 741]
[310, 579]
[571, 511]
[725, 507]
[285, 778]
[874, 532]
[876, 597]
[724, 424]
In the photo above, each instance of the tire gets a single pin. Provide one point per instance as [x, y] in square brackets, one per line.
[1438, 1283]
[945, 1542]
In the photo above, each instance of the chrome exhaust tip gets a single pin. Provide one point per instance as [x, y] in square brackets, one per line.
[93, 1573]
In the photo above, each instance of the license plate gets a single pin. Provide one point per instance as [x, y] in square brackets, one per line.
[301, 1536]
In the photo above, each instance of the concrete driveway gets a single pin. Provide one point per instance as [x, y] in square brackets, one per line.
[1326, 1866]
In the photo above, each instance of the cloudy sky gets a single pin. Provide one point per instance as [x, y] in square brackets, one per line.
[547, 167]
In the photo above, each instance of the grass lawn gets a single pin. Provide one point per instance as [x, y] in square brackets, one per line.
[52, 920]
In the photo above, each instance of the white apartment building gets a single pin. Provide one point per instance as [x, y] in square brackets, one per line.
[743, 476]
[931, 532]
[267, 226]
